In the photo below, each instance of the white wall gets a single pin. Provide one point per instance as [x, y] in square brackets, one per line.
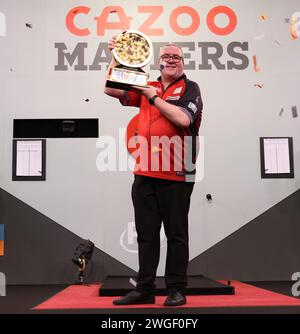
[97, 205]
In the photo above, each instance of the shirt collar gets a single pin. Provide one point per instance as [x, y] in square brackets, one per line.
[183, 76]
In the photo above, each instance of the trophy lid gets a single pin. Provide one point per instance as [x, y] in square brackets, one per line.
[133, 49]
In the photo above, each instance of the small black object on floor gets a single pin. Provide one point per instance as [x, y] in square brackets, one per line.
[197, 285]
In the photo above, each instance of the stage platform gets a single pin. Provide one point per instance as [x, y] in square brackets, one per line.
[197, 285]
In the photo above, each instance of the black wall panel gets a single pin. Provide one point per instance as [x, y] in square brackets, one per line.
[56, 128]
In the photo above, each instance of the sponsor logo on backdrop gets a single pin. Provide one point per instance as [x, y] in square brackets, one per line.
[84, 21]
[128, 238]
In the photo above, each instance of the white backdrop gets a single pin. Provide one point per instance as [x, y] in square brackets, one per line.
[97, 205]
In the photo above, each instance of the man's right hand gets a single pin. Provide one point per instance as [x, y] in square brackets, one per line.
[111, 46]
[112, 43]
[117, 93]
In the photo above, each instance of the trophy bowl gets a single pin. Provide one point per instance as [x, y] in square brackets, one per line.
[133, 50]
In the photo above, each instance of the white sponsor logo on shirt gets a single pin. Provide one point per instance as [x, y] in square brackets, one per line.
[177, 90]
[192, 106]
[173, 98]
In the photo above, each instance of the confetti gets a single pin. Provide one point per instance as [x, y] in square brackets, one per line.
[277, 42]
[287, 20]
[293, 31]
[264, 17]
[28, 25]
[209, 197]
[294, 111]
[281, 112]
[294, 26]
[256, 69]
[259, 85]
[156, 149]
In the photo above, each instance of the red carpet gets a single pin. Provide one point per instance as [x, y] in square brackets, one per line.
[86, 297]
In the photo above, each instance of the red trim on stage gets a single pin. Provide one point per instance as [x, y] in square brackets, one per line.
[87, 297]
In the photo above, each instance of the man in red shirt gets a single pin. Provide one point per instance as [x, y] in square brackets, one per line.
[169, 121]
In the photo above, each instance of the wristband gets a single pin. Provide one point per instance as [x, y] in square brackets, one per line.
[152, 99]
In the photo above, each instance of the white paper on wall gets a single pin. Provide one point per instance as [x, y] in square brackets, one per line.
[277, 157]
[29, 158]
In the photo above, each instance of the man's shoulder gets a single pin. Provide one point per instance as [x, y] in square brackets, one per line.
[190, 82]
[191, 86]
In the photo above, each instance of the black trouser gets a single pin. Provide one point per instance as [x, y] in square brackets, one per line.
[156, 201]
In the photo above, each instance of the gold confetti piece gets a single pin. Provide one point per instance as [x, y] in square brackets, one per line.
[264, 17]
[256, 69]
[293, 31]
[259, 85]
[293, 26]
[293, 20]
[155, 149]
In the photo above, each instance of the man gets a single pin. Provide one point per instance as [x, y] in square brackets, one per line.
[170, 107]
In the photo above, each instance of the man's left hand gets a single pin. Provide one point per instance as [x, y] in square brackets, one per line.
[147, 91]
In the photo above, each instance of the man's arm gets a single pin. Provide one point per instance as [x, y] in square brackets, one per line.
[171, 112]
[117, 93]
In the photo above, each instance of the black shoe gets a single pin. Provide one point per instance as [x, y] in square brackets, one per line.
[135, 297]
[175, 298]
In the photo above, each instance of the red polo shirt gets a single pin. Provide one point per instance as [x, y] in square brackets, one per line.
[165, 150]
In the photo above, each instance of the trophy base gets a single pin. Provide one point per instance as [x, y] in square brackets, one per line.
[120, 85]
[124, 78]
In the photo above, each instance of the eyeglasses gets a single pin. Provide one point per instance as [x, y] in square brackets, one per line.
[175, 58]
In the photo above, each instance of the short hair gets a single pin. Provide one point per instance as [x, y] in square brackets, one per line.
[171, 44]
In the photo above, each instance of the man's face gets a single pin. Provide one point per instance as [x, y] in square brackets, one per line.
[173, 66]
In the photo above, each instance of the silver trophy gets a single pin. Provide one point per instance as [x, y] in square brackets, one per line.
[133, 51]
